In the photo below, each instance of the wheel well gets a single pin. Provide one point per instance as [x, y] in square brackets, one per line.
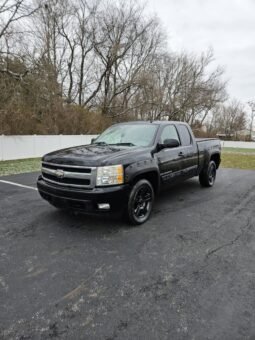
[216, 159]
[152, 177]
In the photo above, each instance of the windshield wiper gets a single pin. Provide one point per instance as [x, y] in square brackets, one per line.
[100, 143]
[124, 144]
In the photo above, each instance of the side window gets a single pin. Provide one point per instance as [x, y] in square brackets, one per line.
[169, 132]
[185, 135]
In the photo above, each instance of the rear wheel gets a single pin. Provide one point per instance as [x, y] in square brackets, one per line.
[208, 175]
[140, 202]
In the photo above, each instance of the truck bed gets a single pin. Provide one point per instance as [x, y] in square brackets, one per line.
[206, 146]
[205, 139]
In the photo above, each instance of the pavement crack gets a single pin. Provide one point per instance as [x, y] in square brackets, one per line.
[243, 201]
[76, 291]
[232, 242]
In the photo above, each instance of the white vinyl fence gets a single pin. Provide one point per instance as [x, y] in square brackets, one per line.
[18, 147]
[232, 144]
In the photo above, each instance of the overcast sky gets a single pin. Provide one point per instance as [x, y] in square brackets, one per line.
[228, 26]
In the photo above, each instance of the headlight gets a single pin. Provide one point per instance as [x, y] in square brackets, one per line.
[110, 175]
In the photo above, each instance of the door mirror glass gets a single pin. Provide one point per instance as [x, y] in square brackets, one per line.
[170, 143]
[92, 140]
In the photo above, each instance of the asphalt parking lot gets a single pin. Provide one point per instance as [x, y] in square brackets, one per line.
[189, 273]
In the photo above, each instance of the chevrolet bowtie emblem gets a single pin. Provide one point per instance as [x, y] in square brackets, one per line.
[60, 173]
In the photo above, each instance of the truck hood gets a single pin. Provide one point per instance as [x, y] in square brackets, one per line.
[96, 155]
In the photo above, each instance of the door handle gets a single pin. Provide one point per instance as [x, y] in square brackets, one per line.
[181, 154]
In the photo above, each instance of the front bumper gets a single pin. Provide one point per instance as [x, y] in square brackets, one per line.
[83, 199]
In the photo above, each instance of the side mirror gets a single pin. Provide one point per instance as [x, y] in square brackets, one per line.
[92, 140]
[170, 143]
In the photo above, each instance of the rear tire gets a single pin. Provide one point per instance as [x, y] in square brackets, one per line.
[208, 175]
[140, 202]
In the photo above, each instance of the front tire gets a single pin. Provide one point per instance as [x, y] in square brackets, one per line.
[140, 202]
[208, 176]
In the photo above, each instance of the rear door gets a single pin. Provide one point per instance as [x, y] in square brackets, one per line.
[168, 159]
[188, 151]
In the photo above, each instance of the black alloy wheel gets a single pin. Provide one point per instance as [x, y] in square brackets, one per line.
[212, 174]
[140, 202]
[208, 176]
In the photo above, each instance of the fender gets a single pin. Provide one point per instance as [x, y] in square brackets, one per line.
[207, 157]
[142, 168]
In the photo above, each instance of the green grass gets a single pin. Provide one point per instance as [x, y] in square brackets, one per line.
[19, 166]
[238, 158]
[238, 150]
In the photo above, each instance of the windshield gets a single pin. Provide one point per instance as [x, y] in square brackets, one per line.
[128, 135]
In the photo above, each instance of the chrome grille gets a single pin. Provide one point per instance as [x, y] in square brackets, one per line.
[69, 175]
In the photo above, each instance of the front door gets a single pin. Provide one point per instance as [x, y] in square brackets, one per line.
[169, 159]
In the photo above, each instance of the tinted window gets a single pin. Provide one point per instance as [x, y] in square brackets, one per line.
[169, 132]
[185, 135]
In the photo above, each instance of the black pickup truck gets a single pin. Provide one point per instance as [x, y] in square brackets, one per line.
[126, 166]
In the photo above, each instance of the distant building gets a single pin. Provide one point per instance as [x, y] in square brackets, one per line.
[225, 136]
[238, 135]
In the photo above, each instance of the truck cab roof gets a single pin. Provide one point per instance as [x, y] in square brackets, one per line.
[155, 122]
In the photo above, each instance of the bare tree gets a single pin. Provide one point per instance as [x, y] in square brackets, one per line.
[122, 45]
[12, 11]
[86, 30]
[179, 87]
[228, 119]
[97, 61]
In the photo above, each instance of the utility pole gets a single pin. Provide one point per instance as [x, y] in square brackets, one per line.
[252, 106]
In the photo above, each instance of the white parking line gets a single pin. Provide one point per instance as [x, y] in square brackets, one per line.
[18, 185]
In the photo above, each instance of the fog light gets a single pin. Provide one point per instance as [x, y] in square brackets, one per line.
[103, 206]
